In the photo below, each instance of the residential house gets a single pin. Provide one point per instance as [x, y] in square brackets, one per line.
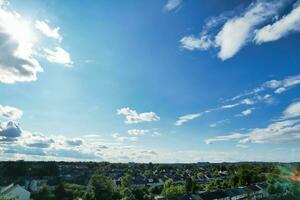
[15, 191]
[264, 187]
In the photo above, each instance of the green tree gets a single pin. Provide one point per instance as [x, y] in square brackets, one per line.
[172, 190]
[127, 194]
[126, 181]
[43, 194]
[103, 187]
[189, 185]
[6, 198]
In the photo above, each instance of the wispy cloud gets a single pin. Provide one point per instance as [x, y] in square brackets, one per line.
[132, 117]
[233, 136]
[276, 86]
[260, 94]
[120, 138]
[287, 24]
[236, 31]
[172, 4]
[46, 30]
[218, 123]
[186, 118]
[137, 132]
[284, 130]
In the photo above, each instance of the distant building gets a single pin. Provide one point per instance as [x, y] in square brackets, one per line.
[15, 191]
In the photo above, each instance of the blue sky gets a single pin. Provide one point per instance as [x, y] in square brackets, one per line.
[153, 80]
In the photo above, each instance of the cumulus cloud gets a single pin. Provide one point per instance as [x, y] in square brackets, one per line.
[9, 131]
[132, 117]
[59, 55]
[17, 60]
[137, 132]
[172, 4]
[16, 143]
[186, 118]
[40, 143]
[10, 113]
[236, 32]
[74, 142]
[286, 25]
[46, 30]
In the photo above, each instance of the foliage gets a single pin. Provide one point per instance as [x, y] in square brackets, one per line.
[126, 181]
[172, 190]
[103, 187]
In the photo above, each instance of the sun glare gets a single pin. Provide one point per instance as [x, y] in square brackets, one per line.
[20, 30]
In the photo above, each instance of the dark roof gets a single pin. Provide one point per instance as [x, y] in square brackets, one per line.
[263, 185]
[213, 195]
[187, 197]
[254, 188]
[236, 192]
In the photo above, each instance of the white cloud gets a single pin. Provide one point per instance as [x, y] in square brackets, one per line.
[280, 90]
[123, 138]
[46, 30]
[233, 136]
[193, 43]
[292, 110]
[246, 112]
[4, 3]
[247, 101]
[132, 117]
[286, 130]
[213, 125]
[74, 142]
[186, 118]
[286, 25]
[137, 132]
[9, 131]
[257, 95]
[242, 146]
[230, 106]
[278, 87]
[10, 113]
[277, 132]
[236, 32]
[58, 55]
[17, 61]
[172, 4]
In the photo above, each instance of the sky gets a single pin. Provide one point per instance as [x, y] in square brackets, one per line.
[150, 81]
